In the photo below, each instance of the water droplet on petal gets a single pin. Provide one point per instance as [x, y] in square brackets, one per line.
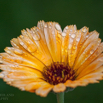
[17, 51]
[66, 27]
[75, 28]
[23, 89]
[49, 26]
[87, 36]
[21, 43]
[91, 52]
[16, 65]
[31, 49]
[74, 47]
[8, 51]
[71, 30]
[9, 82]
[84, 29]
[66, 51]
[21, 36]
[26, 55]
[71, 40]
[1, 75]
[63, 34]
[100, 59]
[84, 52]
[53, 32]
[73, 35]
[36, 36]
[45, 25]
[77, 39]
[57, 26]
[70, 46]
[69, 33]
[28, 42]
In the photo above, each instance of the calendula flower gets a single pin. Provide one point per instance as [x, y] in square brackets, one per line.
[45, 58]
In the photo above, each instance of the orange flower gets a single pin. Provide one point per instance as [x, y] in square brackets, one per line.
[45, 58]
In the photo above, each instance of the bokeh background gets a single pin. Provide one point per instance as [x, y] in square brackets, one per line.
[16, 15]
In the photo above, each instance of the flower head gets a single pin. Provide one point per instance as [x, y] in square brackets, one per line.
[45, 58]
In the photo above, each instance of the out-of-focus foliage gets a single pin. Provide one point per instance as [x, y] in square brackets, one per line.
[16, 15]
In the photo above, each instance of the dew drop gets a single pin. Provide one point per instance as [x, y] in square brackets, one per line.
[100, 59]
[75, 28]
[45, 25]
[71, 30]
[57, 26]
[9, 82]
[63, 34]
[31, 49]
[8, 51]
[16, 65]
[22, 43]
[36, 36]
[65, 30]
[73, 35]
[23, 89]
[53, 32]
[84, 29]
[28, 42]
[71, 40]
[87, 36]
[70, 46]
[84, 52]
[66, 27]
[69, 33]
[21, 36]
[17, 51]
[74, 47]
[77, 39]
[19, 61]
[66, 51]
[1, 75]
[91, 52]
[50, 26]
[26, 55]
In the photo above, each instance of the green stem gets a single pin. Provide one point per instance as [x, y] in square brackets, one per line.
[60, 97]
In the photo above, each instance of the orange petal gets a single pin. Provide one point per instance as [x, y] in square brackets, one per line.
[68, 36]
[44, 90]
[59, 88]
[93, 66]
[88, 45]
[52, 33]
[21, 59]
[92, 57]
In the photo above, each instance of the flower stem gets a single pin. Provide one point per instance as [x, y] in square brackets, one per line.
[60, 97]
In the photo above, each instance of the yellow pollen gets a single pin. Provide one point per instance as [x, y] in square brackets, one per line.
[54, 70]
[58, 78]
[70, 72]
[53, 78]
[55, 75]
[65, 78]
[71, 77]
[58, 73]
[63, 74]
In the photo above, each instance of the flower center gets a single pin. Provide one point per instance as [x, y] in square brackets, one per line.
[58, 73]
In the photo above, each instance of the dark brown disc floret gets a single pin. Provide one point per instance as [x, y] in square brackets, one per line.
[58, 73]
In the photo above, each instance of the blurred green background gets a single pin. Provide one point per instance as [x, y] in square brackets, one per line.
[16, 15]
